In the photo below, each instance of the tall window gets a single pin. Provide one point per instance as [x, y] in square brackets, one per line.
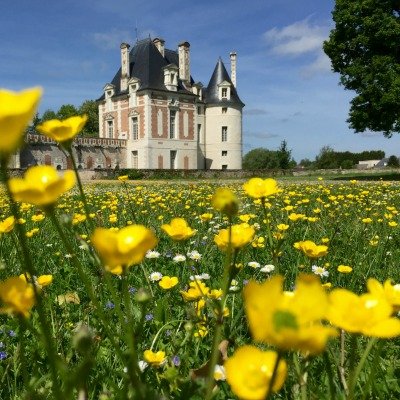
[224, 110]
[135, 130]
[135, 159]
[172, 124]
[224, 134]
[173, 159]
[199, 138]
[110, 129]
[224, 92]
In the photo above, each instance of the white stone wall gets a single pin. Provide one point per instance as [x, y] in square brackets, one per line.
[214, 146]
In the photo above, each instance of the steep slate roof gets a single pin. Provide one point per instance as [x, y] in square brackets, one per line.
[219, 75]
[146, 64]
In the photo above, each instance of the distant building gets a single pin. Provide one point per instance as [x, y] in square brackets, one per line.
[153, 115]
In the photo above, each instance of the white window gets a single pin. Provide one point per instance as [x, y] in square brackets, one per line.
[199, 131]
[172, 124]
[224, 93]
[135, 128]
[110, 129]
[224, 153]
[173, 159]
[135, 159]
[224, 134]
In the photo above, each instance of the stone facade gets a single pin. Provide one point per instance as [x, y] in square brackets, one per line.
[153, 115]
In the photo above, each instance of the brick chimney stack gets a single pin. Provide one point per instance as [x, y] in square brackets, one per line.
[184, 61]
[124, 65]
[233, 57]
[159, 43]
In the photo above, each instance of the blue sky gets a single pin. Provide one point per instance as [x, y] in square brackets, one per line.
[71, 49]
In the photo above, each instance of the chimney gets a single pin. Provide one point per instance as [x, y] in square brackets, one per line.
[124, 66]
[184, 61]
[159, 43]
[233, 56]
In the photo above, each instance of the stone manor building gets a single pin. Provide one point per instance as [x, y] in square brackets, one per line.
[154, 115]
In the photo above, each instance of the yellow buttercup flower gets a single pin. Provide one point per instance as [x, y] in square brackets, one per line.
[225, 201]
[17, 296]
[388, 291]
[344, 269]
[123, 248]
[16, 110]
[168, 282]
[249, 371]
[196, 291]
[206, 217]
[260, 188]
[370, 314]
[41, 185]
[241, 235]
[155, 359]
[40, 281]
[178, 229]
[310, 249]
[7, 225]
[123, 177]
[63, 130]
[288, 320]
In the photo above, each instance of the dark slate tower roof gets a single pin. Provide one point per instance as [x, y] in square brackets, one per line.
[220, 75]
[146, 64]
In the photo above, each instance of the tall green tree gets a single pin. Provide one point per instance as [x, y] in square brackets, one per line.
[91, 109]
[47, 115]
[364, 48]
[67, 111]
[285, 156]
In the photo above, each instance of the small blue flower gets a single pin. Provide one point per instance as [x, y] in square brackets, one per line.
[176, 361]
[109, 305]
[168, 332]
[11, 333]
[148, 317]
[3, 355]
[132, 290]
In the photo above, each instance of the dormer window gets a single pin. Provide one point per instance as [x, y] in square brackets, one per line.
[133, 86]
[109, 91]
[224, 90]
[171, 77]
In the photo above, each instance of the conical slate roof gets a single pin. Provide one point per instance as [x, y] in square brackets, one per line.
[220, 75]
[146, 64]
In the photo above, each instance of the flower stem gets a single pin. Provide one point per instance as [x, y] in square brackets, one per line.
[27, 265]
[356, 371]
[273, 376]
[226, 280]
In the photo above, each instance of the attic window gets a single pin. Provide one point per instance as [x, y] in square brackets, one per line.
[224, 93]
[109, 93]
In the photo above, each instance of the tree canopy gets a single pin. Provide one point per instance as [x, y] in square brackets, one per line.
[364, 48]
[261, 158]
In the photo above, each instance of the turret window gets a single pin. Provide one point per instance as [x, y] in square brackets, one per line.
[224, 134]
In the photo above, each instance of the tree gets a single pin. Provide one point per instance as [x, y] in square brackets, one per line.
[326, 159]
[66, 111]
[260, 158]
[393, 162]
[364, 50]
[285, 156]
[47, 115]
[91, 109]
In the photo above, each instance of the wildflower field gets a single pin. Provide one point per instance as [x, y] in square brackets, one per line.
[251, 290]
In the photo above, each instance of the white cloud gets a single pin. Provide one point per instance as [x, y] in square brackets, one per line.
[298, 38]
[320, 65]
[301, 38]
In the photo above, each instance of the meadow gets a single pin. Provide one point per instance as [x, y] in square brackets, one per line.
[199, 290]
[169, 302]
